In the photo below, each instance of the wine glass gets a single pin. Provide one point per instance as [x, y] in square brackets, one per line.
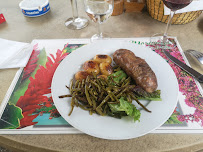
[173, 5]
[99, 11]
[76, 22]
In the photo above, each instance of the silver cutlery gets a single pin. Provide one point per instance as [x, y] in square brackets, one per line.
[196, 54]
[183, 66]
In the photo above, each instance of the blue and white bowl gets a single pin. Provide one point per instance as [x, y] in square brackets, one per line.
[34, 8]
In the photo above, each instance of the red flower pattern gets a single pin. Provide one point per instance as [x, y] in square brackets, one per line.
[35, 96]
[32, 63]
[187, 85]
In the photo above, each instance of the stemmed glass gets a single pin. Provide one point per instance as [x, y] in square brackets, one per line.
[76, 22]
[173, 5]
[99, 11]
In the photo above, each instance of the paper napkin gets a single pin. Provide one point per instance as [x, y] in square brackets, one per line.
[195, 5]
[14, 54]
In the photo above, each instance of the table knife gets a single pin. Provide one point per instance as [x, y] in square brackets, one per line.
[183, 66]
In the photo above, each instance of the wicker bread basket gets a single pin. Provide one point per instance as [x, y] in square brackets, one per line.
[156, 10]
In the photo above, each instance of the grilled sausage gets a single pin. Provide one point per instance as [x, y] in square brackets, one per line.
[136, 68]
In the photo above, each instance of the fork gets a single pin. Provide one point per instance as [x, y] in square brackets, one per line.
[197, 55]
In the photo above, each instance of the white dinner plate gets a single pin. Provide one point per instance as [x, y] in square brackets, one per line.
[108, 127]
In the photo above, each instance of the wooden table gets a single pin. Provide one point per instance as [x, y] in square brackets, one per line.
[51, 26]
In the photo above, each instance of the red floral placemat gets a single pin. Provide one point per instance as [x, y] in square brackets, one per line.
[30, 105]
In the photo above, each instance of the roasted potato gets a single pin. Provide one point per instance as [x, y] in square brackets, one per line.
[80, 75]
[102, 77]
[102, 58]
[91, 67]
[105, 68]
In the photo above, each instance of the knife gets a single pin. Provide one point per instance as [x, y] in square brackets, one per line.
[183, 66]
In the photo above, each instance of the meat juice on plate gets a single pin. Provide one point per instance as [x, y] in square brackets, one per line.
[176, 4]
[100, 11]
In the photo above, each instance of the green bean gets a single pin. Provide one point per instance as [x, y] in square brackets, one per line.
[67, 95]
[129, 98]
[105, 109]
[79, 84]
[110, 95]
[76, 102]
[67, 87]
[104, 101]
[87, 95]
[72, 106]
[77, 90]
[99, 111]
[90, 111]
[96, 79]
[83, 99]
[103, 83]
[76, 83]
[132, 95]
[116, 102]
[87, 79]
[121, 93]
[122, 80]
[92, 94]
[100, 97]
[93, 103]
[113, 95]
[126, 82]
[83, 83]
[84, 108]
[96, 85]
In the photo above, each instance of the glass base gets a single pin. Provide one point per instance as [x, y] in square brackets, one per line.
[77, 23]
[101, 36]
[162, 42]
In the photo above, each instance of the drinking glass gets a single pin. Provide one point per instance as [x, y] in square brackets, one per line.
[173, 5]
[99, 11]
[76, 22]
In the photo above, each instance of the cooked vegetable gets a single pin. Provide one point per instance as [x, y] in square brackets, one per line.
[127, 107]
[105, 68]
[80, 75]
[102, 58]
[91, 67]
[117, 77]
[142, 94]
[112, 96]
